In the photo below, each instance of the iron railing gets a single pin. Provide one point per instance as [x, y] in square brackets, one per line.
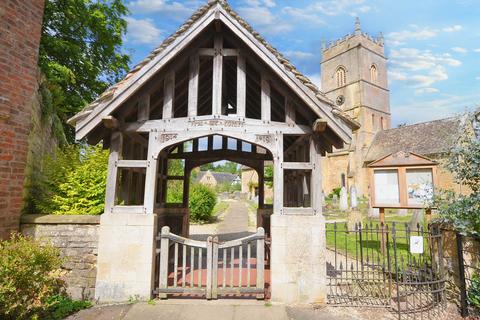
[392, 266]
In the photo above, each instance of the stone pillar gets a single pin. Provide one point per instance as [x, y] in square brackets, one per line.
[298, 270]
[126, 256]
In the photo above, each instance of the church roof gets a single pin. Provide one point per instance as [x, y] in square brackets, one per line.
[220, 177]
[108, 95]
[426, 139]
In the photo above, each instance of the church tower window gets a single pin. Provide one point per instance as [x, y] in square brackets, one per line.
[341, 75]
[373, 73]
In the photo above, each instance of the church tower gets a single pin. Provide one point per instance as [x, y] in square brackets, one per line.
[354, 76]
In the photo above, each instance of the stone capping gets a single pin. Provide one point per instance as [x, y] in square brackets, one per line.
[59, 219]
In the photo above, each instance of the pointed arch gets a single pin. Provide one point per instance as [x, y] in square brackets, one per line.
[341, 76]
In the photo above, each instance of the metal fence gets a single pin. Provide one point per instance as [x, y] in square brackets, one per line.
[469, 275]
[391, 266]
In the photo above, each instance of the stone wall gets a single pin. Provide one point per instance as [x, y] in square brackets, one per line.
[20, 25]
[77, 238]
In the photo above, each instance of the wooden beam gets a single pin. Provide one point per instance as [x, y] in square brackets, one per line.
[116, 143]
[110, 122]
[132, 163]
[266, 103]
[144, 107]
[193, 86]
[217, 75]
[320, 125]
[169, 95]
[297, 166]
[217, 124]
[241, 86]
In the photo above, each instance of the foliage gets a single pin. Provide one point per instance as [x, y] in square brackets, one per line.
[60, 306]
[335, 191]
[74, 181]
[29, 277]
[228, 187]
[463, 211]
[269, 176]
[227, 166]
[473, 293]
[80, 52]
[202, 202]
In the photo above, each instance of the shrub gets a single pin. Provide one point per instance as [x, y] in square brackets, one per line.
[473, 293]
[202, 201]
[74, 181]
[60, 307]
[29, 277]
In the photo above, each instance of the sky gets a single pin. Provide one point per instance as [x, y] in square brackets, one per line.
[433, 46]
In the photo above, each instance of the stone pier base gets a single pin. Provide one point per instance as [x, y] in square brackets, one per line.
[126, 255]
[298, 270]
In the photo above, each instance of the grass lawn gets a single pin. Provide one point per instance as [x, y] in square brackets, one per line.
[349, 242]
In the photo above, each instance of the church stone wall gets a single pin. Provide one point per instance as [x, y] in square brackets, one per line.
[77, 239]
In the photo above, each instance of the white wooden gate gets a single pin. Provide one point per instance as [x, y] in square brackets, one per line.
[209, 268]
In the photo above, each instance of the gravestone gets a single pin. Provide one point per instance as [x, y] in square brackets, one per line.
[417, 219]
[373, 212]
[353, 197]
[402, 212]
[343, 199]
[335, 201]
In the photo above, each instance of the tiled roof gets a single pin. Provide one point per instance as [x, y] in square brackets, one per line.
[220, 177]
[426, 139]
[108, 94]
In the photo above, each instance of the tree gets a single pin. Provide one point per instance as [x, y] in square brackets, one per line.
[463, 211]
[80, 53]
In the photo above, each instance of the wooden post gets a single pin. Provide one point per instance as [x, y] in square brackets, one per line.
[266, 104]
[278, 175]
[163, 274]
[260, 261]
[428, 215]
[241, 86]
[316, 177]
[151, 175]
[217, 75]
[169, 95]
[382, 229]
[289, 112]
[116, 143]
[261, 185]
[193, 85]
[214, 283]
[144, 108]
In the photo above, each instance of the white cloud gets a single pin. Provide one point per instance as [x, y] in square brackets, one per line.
[300, 55]
[303, 15]
[442, 106]
[143, 31]
[260, 15]
[176, 9]
[426, 90]
[420, 68]
[257, 3]
[477, 78]
[416, 33]
[477, 50]
[459, 50]
[454, 28]
[338, 7]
